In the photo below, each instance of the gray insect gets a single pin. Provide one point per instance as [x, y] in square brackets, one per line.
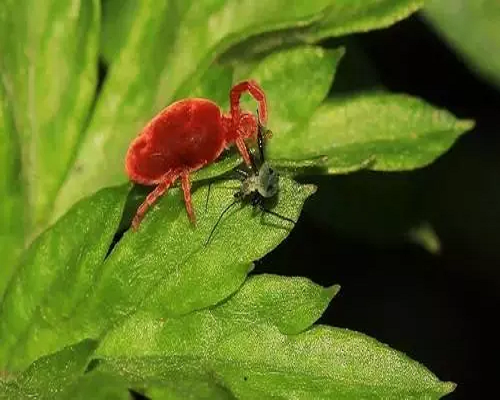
[259, 184]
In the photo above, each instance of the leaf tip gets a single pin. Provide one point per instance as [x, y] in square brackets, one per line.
[448, 387]
[466, 125]
[332, 291]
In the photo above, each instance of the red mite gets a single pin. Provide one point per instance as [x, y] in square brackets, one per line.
[186, 136]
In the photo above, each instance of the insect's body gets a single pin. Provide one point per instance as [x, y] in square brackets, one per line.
[263, 184]
[186, 136]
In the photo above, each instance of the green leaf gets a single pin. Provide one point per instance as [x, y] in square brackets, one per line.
[11, 197]
[50, 375]
[395, 132]
[170, 46]
[49, 71]
[338, 19]
[65, 290]
[472, 28]
[291, 98]
[97, 386]
[54, 278]
[243, 346]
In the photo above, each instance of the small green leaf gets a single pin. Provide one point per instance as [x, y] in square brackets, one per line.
[49, 375]
[291, 99]
[290, 304]
[66, 290]
[396, 132]
[96, 386]
[49, 71]
[472, 28]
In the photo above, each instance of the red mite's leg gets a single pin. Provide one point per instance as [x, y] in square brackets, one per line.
[149, 201]
[240, 144]
[186, 188]
[257, 93]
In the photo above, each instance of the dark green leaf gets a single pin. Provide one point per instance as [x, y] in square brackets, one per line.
[49, 69]
[395, 132]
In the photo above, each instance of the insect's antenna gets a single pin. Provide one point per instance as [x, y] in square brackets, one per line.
[208, 195]
[220, 218]
[282, 217]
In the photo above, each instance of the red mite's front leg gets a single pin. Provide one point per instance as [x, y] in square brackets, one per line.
[258, 94]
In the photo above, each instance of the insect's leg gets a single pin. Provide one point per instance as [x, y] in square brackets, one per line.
[257, 93]
[149, 201]
[186, 188]
[267, 211]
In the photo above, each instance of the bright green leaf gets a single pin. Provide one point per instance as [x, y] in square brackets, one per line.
[49, 70]
[245, 346]
[11, 197]
[393, 132]
[64, 291]
[292, 98]
[49, 375]
[472, 27]
[254, 360]
[54, 277]
[290, 304]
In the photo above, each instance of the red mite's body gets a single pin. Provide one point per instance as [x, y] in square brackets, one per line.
[186, 136]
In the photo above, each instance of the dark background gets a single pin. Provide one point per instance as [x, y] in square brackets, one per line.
[438, 309]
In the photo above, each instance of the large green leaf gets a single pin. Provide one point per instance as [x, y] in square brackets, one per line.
[246, 347]
[47, 377]
[170, 46]
[472, 28]
[11, 199]
[65, 290]
[395, 132]
[48, 68]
